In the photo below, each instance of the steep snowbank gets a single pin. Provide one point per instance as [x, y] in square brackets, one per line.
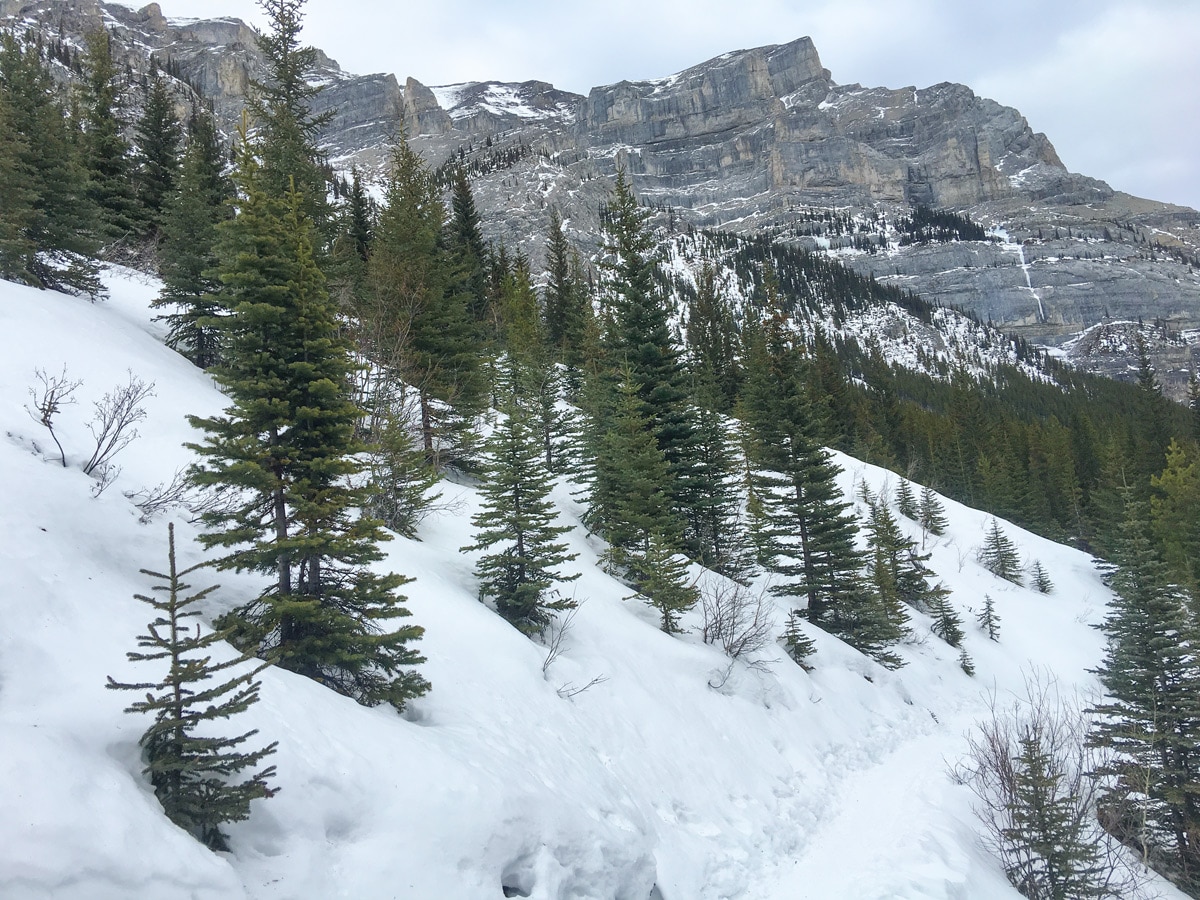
[651, 782]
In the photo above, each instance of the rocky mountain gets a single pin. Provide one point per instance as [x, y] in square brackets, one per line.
[760, 139]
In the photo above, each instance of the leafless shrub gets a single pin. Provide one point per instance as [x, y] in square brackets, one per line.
[569, 690]
[997, 771]
[49, 397]
[736, 619]
[113, 425]
[553, 636]
[163, 496]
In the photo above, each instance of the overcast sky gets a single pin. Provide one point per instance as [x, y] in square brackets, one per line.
[1115, 84]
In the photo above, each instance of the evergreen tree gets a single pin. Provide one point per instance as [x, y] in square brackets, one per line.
[1057, 860]
[712, 340]
[715, 519]
[798, 645]
[52, 233]
[568, 308]
[17, 214]
[417, 322]
[889, 552]
[804, 530]
[931, 515]
[639, 339]
[988, 620]
[281, 108]
[467, 249]
[515, 527]
[625, 478]
[188, 258]
[106, 152]
[906, 502]
[1174, 499]
[1150, 719]
[156, 162]
[946, 622]
[659, 573]
[282, 454]
[964, 661]
[1040, 578]
[999, 555]
[193, 775]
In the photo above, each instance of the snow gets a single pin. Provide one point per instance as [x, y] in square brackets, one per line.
[778, 784]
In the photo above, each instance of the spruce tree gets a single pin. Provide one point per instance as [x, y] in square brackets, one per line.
[888, 556]
[1055, 858]
[567, 306]
[156, 160]
[659, 573]
[53, 236]
[516, 527]
[712, 340]
[467, 250]
[906, 502]
[798, 645]
[1150, 718]
[639, 339]
[946, 622]
[17, 213]
[1174, 499]
[999, 555]
[988, 620]
[106, 152]
[281, 108]
[417, 322]
[188, 257]
[931, 515]
[282, 455]
[805, 531]
[195, 775]
[1040, 578]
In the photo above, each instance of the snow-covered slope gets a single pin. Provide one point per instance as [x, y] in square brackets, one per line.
[501, 782]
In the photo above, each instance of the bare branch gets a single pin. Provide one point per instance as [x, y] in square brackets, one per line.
[48, 400]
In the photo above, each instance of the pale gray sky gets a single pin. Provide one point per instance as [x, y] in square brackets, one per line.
[1115, 84]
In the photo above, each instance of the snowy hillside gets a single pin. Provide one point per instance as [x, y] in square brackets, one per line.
[506, 779]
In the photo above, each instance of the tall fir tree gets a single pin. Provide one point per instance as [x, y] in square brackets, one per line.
[567, 306]
[515, 527]
[188, 257]
[195, 775]
[467, 250]
[999, 554]
[106, 152]
[282, 455]
[638, 338]
[1150, 717]
[712, 340]
[805, 533]
[156, 160]
[54, 233]
[281, 107]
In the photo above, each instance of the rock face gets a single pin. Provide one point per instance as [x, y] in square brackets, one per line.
[754, 139]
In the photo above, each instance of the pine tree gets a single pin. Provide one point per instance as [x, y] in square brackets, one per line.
[1174, 499]
[946, 622]
[56, 240]
[931, 515]
[193, 775]
[281, 107]
[625, 477]
[156, 161]
[1056, 859]
[712, 340]
[804, 531]
[1040, 578]
[965, 663]
[999, 555]
[417, 322]
[988, 620]
[17, 213]
[466, 248]
[1150, 719]
[889, 555]
[515, 527]
[107, 154]
[715, 520]
[906, 502]
[659, 573]
[188, 257]
[567, 306]
[798, 645]
[282, 454]
[639, 339]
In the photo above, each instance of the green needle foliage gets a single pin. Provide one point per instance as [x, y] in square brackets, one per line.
[194, 771]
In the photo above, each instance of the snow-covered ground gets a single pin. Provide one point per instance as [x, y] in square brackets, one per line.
[651, 783]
